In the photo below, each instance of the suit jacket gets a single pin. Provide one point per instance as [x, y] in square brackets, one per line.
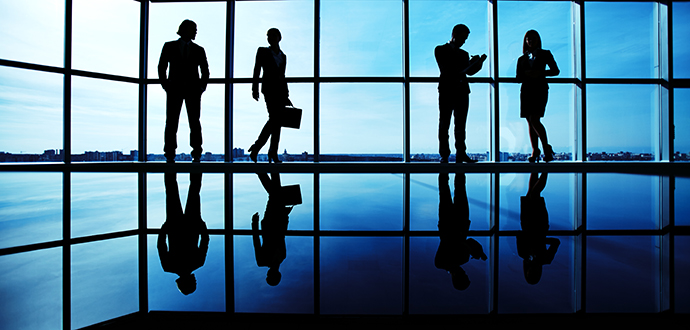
[273, 81]
[184, 71]
[452, 61]
[542, 58]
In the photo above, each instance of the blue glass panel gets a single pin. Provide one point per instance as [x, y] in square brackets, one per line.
[553, 20]
[103, 203]
[536, 273]
[681, 49]
[361, 38]
[622, 274]
[431, 24]
[681, 122]
[33, 32]
[104, 280]
[30, 208]
[31, 289]
[352, 202]
[682, 271]
[209, 293]
[622, 201]
[31, 110]
[356, 281]
[294, 293]
[431, 286]
[621, 40]
[681, 196]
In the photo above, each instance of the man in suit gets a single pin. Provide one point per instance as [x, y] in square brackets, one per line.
[453, 91]
[183, 84]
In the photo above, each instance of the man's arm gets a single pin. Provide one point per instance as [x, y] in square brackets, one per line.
[257, 71]
[203, 66]
[163, 67]
[475, 64]
[256, 240]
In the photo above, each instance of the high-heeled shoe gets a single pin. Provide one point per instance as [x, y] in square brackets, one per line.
[533, 158]
[548, 153]
[274, 157]
[253, 153]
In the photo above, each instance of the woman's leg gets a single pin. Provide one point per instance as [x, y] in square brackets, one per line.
[536, 125]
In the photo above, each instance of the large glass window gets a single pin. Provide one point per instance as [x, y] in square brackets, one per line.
[681, 123]
[33, 32]
[621, 39]
[361, 38]
[681, 49]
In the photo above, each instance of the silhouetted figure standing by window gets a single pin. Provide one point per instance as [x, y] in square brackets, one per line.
[534, 93]
[187, 235]
[183, 84]
[273, 229]
[455, 248]
[532, 241]
[274, 87]
[454, 91]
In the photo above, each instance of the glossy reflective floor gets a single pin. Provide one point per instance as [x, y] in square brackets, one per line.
[340, 244]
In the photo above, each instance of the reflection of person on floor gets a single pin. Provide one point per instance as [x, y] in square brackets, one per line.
[455, 248]
[532, 240]
[184, 252]
[273, 229]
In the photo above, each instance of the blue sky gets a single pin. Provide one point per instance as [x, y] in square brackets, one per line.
[358, 38]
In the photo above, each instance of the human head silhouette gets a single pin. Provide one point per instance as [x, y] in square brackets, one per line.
[532, 41]
[273, 276]
[460, 279]
[187, 30]
[460, 34]
[273, 35]
[186, 284]
[532, 271]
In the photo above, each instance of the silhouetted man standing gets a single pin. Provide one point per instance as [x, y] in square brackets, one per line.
[453, 91]
[183, 84]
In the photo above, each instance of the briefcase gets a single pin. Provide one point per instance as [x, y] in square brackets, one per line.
[291, 117]
[292, 195]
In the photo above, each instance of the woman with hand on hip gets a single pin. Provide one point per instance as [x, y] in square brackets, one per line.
[274, 87]
[534, 93]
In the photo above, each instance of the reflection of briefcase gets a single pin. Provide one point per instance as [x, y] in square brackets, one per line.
[292, 194]
[291, 117]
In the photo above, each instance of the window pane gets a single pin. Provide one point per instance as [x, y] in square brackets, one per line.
[250, 197]
[361, 119]
[626, 49]
[33, 32]
[431, 24]
[555, 202]
[350, 269]
[104, 119]
[621, 122]
[553, 21]
[552, 291]
[361, 202]
[165, 19]
[681, 49]
[681, 195]
[622, 201]
[250, 116]
[424, 122]
[294, 293]
[681, 121]
[105, 36]
[557, 120]
[105, 280]
[31, 289]
[361, 38]
[622, 274]
[209, 295]
[294, 19]
[96, 210]
[425, 199]
[211, 198]
[431, 288]
[31, 111]
[30, 208]
[212, 125]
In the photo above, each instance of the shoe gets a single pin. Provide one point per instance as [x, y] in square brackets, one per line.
[533, 158]
[274, 157]
[444, 160]
[254, 154]
[196, 160]
[465, 159]
[548, 153]
[170, 160]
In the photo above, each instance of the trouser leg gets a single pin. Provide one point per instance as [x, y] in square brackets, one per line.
[193, 104]
[445, 112]
[173, 107]
[460, 114]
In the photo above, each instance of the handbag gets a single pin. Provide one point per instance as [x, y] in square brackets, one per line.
[292, 195]
[291, 117]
